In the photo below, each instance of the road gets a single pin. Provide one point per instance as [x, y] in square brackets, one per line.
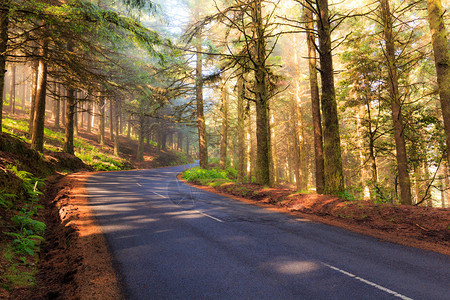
[172, 241]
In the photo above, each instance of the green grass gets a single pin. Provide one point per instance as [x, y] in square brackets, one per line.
[54, 141]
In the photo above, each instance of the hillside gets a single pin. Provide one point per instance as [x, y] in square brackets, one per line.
[29, 184]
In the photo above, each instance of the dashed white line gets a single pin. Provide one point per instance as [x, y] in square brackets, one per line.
[382, 288]
[211, 217]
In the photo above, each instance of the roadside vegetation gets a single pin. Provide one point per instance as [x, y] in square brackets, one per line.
[24, 177]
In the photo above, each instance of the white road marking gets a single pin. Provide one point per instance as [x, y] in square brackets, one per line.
[382, 288]
[211, 217]
[160, 195]
[138, 184]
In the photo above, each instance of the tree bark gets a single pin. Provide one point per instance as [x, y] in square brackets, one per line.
[334, 178]
[224, 128]
[12, 90]
[70, 120]
[89, 116]
[140, 149]
[4, 22]
[57, 105]
[37, 139]
[101, 119]
[402, 163]
[241, 128]
[34, 72]
[439, 39]
[201, 125]
[261, 96]
[111, 119]
[116, 126]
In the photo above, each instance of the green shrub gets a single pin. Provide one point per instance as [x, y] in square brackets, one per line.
[197, 174]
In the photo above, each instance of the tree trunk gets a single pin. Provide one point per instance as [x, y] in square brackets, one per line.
[4, 21]
[294, 127]
[116, 127]
[201, 125]
[57, 105]
[402, 163]
[111, 119]
[89, 116]
[101, 119]
[140, 149]
[12, 90]
[70, 121]
[224, 128]
[334, 178]
[439, 39]
[241, 128]
[34, 72]
[75, 114]
[261, 96]
[37, 139]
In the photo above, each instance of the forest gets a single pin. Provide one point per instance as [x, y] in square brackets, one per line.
[347, 98]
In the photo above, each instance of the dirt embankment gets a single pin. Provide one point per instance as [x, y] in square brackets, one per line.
[75, 260]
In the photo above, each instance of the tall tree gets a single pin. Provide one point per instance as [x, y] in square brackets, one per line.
[241, 127]
[224, 127]
[4, 21]
[334, 178]
[439, 39]
[261, 93]
[37, 139]
[201, 124]
[396, 106]
[315, 99]
[70, 120]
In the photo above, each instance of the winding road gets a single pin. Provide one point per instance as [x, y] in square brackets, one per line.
[172, 241]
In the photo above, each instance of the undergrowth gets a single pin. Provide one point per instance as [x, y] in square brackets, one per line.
[24, 232]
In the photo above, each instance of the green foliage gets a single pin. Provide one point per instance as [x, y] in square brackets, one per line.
[28, 225]
[25, 244]
[197, 173]
[347, 196]
[30, 183]
[5, 201]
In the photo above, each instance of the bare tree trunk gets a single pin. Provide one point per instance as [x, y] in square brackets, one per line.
[34, 72]
[202, 142]
[334, 178]
[294, 127]
[224, 128]
[439, 39]
[402, 163]
[111, 119]
[241, 128]
[75, 113]
[101, 119]
[4, 21]
[12, 89]
[57, 103]
[70, 121]
[37, 139]
[116, 126]
[140, 149]
[89, 115]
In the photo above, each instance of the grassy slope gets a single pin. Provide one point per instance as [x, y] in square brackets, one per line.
[22, 175]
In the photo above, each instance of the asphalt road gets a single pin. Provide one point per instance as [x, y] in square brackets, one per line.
[172, 241]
